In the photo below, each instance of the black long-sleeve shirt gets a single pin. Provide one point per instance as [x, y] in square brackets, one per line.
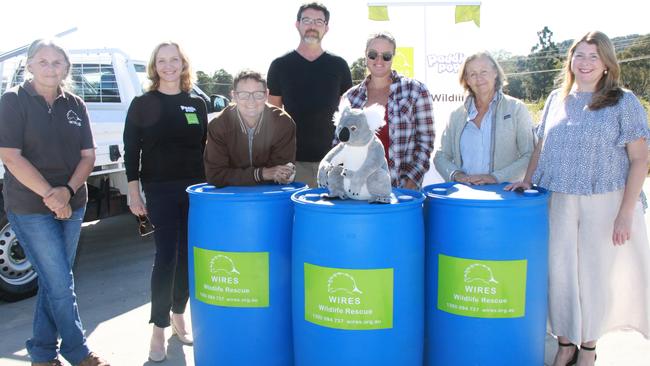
[164, 137]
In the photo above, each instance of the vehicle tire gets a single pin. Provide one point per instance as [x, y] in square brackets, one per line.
[18, 280]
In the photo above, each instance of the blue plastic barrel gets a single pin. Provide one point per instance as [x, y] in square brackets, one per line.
[239, 273]
[357, 289]
[487, 254]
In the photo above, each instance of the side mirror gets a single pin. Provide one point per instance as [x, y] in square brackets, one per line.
[219, 102]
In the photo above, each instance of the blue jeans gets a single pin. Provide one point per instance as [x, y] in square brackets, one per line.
[51, 245]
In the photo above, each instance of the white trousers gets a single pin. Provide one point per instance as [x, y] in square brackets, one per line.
[594, 286]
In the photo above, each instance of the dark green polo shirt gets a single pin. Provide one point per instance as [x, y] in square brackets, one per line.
[51, 139]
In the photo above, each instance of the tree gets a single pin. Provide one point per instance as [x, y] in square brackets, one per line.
[544, 57]
[515, 86]
[205, 82]
[635, 68]
[512, 66]
[219, 83]
[358, 70]
[531, 77]
[223, 82]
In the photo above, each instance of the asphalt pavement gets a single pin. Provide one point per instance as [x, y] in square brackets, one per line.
[112, 274]
[112, 283]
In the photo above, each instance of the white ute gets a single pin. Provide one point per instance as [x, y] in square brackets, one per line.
[107, 80]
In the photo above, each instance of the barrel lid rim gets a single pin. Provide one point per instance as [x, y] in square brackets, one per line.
[417, 199]
[520, 198]
[242, 195]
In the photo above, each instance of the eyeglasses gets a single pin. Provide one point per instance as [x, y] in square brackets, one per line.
[244, 95]
[309, 21]
[145, 226]
[387, 56]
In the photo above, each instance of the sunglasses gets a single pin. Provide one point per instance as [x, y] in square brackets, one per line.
[145, 227]
[386, 56]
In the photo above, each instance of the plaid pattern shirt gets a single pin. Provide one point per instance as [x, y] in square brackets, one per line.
[410, 126]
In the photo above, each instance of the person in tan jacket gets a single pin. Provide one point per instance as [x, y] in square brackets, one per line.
[250, 142]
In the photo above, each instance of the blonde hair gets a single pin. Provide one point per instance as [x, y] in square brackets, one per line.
[500, 81]
[608, 89]
[186, 73]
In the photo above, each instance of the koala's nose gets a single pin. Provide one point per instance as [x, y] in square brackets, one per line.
[344, 134]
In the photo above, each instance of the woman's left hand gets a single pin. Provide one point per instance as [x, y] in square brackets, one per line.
[56, 198]
[481, 179]
[622, 229]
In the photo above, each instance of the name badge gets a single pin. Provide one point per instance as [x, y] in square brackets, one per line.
[192, 118]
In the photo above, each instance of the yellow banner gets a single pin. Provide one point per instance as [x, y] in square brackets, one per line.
[468, 13]
[379, 13]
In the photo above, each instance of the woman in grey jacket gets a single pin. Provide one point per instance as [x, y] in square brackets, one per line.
[489, 139]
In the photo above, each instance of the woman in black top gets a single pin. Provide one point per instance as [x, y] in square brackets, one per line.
[164, 138]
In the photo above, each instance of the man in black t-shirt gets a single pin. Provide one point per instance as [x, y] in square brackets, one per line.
[309, 82]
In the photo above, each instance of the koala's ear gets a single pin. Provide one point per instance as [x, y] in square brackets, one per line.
[375, 116]
[344, 107]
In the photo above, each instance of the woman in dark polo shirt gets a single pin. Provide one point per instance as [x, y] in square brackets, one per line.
[164, 138]
[48, 151]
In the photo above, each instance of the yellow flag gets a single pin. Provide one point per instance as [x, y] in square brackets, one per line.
[379, 13]
[468, 13]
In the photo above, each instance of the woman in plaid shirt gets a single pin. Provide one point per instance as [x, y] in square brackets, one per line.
[408, 134]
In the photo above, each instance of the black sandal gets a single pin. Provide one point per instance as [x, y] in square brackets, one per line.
[573, 359]
[585, 348]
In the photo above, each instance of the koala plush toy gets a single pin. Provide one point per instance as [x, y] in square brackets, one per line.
[356, 168]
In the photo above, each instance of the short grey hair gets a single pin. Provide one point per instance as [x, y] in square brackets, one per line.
[39, 44]
[248, 74]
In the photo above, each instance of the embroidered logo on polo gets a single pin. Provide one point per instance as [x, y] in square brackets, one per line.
[190, 115]
[73, 118]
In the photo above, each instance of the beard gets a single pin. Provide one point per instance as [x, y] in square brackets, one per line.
[311, 36]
